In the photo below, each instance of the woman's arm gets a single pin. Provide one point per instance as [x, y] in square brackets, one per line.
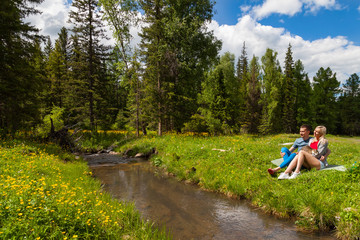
[328, 151]
[322, 148]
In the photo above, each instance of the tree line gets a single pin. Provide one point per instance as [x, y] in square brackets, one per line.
[174, 81]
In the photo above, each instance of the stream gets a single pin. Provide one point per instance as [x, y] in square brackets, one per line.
[186, 211]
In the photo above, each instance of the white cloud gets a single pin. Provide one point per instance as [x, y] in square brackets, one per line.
[54, 16]
[286, 7]
[289, 7]
[337, 53]
[359, 8]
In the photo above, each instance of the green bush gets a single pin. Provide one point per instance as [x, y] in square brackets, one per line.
[56, 115]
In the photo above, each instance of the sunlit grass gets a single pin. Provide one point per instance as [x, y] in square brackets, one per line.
[44, 197]
[237, 166]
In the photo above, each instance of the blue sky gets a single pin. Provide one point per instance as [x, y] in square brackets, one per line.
[322, 33]
[341, 20]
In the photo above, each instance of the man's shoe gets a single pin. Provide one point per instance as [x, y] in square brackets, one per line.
[271, 171]
[284, 176]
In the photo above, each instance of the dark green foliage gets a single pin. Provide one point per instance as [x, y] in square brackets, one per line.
[325, 87]
[252, 100]
[288, 94]
[349, 106]
[176, 82]
[177, 49]
[243, 78]
[271, 98]
[303, 108]
[89, 30]
[19, 50]
[219, 98]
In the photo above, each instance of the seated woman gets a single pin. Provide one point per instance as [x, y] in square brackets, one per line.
[316, 159]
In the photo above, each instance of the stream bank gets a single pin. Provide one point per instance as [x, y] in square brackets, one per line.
[185, 210]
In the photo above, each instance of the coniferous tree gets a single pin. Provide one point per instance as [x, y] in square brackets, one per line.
[89, 29]
[18, 52]
[153, 46]
[253, 97]
[303, 92]
[288, 92]
[326, 87]
[57, 70]
[220, 99]
[177, 50]
[271, 95]
[243, 78]
[350, 106]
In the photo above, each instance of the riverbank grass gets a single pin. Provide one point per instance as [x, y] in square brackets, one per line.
[48, 194]
[237, 166]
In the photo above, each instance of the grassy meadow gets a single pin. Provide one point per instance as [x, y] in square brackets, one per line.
[237, 166]
[46, 193]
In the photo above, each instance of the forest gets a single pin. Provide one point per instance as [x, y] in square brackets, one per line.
[175, 80]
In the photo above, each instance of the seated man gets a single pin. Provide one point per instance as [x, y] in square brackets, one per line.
[288, 155]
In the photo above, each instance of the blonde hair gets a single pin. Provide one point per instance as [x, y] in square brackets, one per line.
[322, 130]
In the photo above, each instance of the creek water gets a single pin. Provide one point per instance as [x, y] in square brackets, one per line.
[186, 211]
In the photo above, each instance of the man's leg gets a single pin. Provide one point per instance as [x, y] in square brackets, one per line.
[287, 158]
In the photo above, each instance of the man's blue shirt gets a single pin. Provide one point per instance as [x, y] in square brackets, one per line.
[300, 142]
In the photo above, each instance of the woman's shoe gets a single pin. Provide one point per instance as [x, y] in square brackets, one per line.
[284, 176]
[294, 175]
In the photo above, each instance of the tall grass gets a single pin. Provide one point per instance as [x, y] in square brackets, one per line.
[237, 166]
[46, 195]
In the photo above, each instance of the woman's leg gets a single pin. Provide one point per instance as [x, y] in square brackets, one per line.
[308, 160]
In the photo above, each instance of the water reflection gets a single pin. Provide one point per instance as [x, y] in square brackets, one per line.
[190, 213]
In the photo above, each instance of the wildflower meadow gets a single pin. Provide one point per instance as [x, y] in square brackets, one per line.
[49, 196]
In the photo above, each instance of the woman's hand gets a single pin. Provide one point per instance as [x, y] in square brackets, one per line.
[322, 158]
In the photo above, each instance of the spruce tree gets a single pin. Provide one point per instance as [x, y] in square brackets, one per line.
[177, 49]
[89, 28]
[243, 78]
[349, 106]
[326, 87]
[288, 92]
[253, 97]
[271, 120]
[18, 53]
[303, 93]
[219, 99]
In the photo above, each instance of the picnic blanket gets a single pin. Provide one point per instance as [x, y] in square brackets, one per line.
[342, 168]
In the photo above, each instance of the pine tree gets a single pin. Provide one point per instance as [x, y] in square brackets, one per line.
[288, 92]
[253, 107]
[58, 71]
[271, 94]
[18, 54]
[220, 97]
[303, 108]
[326, 87]
[89, 29]
[349, 119]
[243, 78]
[177, 50]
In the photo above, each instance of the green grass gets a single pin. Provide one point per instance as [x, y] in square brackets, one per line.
[320, 200]
[47, 194]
